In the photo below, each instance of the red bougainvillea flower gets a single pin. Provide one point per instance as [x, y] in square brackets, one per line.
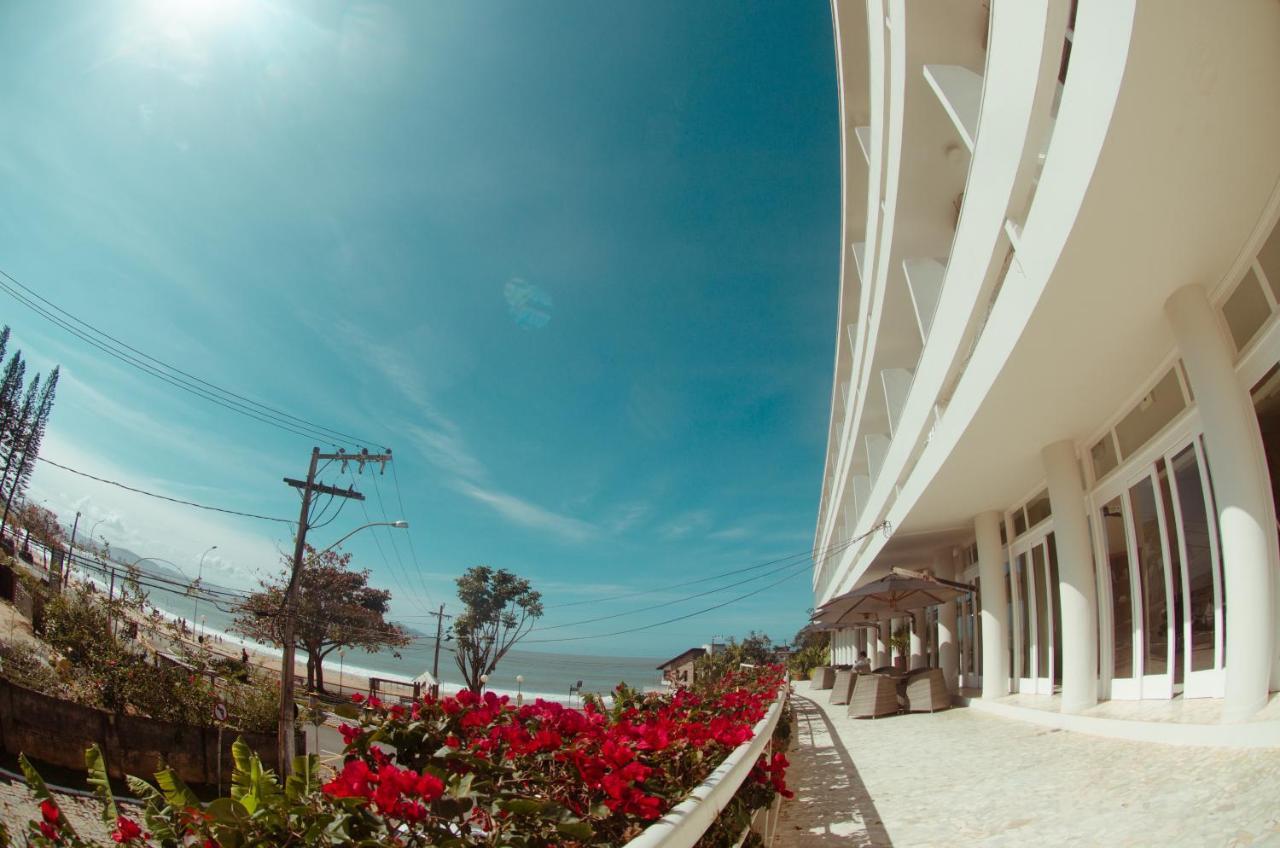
[357, 698]
[49, 812]
[126, 830]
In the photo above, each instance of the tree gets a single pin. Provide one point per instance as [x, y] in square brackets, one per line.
[41, 524]
[755, 649]
[501, 608]
[335, 608]
[31, 437]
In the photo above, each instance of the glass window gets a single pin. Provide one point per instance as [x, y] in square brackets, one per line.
[1152, 599]
[1269, 259]
[1246, 310]
[1013, 626]
[1038, 509]
[1121, 592]
[977, 626]
[1175, 571]
[1019, 522]
[1157, 409]
[1038, 577]
[1056, 607]
[1196, 537]
[1104, 456]
[1023, 626]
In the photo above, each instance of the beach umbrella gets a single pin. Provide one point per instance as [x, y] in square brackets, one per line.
[887, 597]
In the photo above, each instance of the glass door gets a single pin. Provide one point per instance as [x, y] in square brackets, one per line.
[1035, 624]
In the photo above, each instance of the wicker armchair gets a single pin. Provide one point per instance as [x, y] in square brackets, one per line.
[823, 677]
[873, 695]
[927, 690]
[842, 689]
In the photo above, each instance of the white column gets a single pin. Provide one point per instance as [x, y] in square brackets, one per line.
[1237, 465]
[995, 607]
[917, 638]
[1076, 578]
[948, 656]
[882, 644]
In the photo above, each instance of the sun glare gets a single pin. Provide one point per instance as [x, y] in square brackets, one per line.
[198, 14]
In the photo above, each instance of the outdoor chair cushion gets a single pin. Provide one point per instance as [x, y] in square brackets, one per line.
[824, 677]
[873, 695]
[927, 691]
[842, 690]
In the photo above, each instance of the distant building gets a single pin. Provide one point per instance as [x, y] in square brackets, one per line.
[678, 671]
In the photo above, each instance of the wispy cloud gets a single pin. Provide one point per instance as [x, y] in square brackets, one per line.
[528, 514]
[685, 523]
[730, 534]
[439, 439]
[627, 516]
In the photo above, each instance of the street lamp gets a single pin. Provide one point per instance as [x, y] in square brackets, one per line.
[342, 663]
[399, 524]
[200, 576]
[519, 689]
[484, 681]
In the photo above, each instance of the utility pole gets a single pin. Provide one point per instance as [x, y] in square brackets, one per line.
[285, 747]
[71, 548]
[435, 663]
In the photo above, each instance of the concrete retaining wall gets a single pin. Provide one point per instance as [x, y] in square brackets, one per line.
[58, 732]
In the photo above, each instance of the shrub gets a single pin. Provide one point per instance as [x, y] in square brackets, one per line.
[472, 770]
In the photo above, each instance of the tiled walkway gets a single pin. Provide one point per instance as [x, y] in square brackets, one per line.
[961, 778]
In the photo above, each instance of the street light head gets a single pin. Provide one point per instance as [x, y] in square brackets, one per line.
[519, 678]
[402, 524]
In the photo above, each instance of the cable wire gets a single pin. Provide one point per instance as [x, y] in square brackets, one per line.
[164, 497]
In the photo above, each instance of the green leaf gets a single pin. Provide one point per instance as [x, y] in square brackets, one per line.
[175, 791]
[519, 806]
[577, 829]
[97, 778]
[304, 779]
[38, 788]
[227, 811]
[251, 784]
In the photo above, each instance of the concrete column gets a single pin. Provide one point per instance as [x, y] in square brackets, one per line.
[948, 653]
[1238, 466]
[1076, 578]
[918, 659]
[882, 644]
[995, 607]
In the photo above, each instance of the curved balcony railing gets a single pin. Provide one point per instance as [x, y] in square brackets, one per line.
[687, 821]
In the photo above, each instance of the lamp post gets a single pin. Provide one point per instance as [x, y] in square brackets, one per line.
[199, 577]
[342, 664]
[484, 681]
[519, 690]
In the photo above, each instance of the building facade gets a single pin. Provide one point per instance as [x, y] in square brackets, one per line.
[1057, 372]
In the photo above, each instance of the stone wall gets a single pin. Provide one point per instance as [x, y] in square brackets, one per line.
[58, 732]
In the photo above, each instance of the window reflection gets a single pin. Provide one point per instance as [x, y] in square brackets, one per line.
[1121, 593]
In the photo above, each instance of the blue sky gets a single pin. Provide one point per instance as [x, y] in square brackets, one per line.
[574, 262]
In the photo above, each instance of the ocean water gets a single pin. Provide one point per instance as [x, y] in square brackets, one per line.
[547, 675]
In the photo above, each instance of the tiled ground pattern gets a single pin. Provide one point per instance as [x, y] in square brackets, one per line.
[962, 778]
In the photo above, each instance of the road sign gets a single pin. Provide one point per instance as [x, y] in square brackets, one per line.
[219, 711]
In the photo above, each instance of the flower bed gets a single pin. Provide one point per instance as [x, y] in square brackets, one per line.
[476, 770]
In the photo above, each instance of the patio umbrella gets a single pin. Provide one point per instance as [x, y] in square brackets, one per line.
[887, 597]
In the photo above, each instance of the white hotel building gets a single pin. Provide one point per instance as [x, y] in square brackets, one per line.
[1056, 372]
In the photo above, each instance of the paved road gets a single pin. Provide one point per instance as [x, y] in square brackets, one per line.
[963, 778]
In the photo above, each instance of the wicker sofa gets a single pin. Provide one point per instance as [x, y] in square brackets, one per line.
[874, 695]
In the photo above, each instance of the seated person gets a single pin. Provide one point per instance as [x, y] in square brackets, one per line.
[863, 665]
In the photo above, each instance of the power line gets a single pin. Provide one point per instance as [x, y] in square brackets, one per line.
[169, 373]
[734, 600]
[413, 553]
[804, 566]
[682, 600]
[806, 553]
[164, 497]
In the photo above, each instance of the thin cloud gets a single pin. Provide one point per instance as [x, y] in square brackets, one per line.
[440, 441]
[527, 514]
[684, 524]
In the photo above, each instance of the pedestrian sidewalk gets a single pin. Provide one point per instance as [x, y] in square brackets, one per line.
[963, 778]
